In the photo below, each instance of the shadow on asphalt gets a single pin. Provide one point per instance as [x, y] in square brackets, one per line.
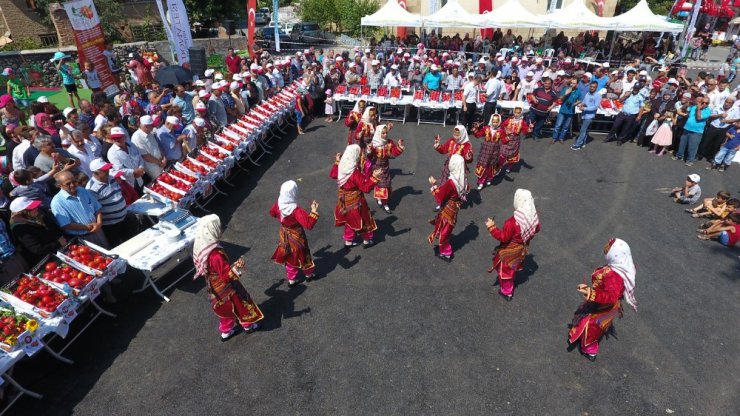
[326, 261]
[398, 194]
[530, 267]
[468, 234]
[281, 305]
[385, 226]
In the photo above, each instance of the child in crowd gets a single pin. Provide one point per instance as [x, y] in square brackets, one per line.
[91, 77]
[725, 231]
[31, 184]
[329, 106]
[509, 87]
[732, 206]
[68, 77]
[82, 179]
[726, 153]
[712, 207]
[663, 137]
[690, 192]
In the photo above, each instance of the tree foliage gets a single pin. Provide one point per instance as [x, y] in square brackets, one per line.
[212, 11]
[339, 15]
[661, 7]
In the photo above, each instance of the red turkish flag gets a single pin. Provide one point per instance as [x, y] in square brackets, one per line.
[401, 31]
[251, 12]
[485, 6]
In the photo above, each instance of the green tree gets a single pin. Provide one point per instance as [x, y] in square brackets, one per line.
[339, 15]
[212, 11]
[661, 7]
[351, 11]
[323, 12]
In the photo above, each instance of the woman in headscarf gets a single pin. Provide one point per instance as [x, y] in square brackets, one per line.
[458, 144]
[352, 211]
[292, 250]
[353, 118]
[609, 284]
[488, 157]
[515, 128]
[366, 127]
[34, 230]
[381, 150]
[518, 231]
[229, 299]
[449, 196]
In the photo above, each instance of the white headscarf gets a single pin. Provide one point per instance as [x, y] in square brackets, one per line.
[619, 259]
[288, 199]
[525, 214]
[457, 174]
[356, 108]
[348, 163]
[490, 121]
[206, 239]
[463, 134]
[366, 115]
[378, 139]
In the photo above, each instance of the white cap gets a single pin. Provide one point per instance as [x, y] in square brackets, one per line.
[234, 85]
[144, 121]
[339, 59]
[538, 60]
[643, 72]
[567, 60]
[99, 164]
[515, 59]
[236, 77]
[400, 50]
[481, 61]
[560, 73]
[209, 72]
[68, 110]
[394, 66]
[673, 81]
[367, 50]
[500, 59]
[253, 67]
[117, 132]
[602, 91]
[605, 65]
[374, 62]
[203, 94]
[530, 74]
[199, 122]
[615, 72]
[471, 74]
[173, 120]
[587, 74]
[22, 203]
[695, 178]
[42, 99]
[406, 55]
[352, 65]
[434, 67]
[200, 83]
[218, 77]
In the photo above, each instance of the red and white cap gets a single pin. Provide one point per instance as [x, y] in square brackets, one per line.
[199, 121]
[99, 164]
[173, 120]
[200, 107]
[117, 132]
[22, 203]
[203, 94]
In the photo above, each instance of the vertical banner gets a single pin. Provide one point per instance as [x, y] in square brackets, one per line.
[485, 6]
[182, 40]
[276, 22]
[251, 12]
[401, 31]
[90, 40]
[166, 26]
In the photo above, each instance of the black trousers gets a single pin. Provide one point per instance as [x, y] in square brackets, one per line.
[623, 126]
[711, 142]
[469, 114]
[489, 109]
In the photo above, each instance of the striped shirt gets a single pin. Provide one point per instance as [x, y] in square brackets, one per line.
[79, 209]
[110, 197]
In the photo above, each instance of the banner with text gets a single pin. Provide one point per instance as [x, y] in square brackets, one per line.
[90, 40]
[276, 21]
[182, 39]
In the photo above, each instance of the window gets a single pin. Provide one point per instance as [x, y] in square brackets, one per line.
[49, 39]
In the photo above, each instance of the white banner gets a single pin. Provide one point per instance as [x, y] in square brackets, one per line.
[180, 30]
[276, 21]
[82, 14]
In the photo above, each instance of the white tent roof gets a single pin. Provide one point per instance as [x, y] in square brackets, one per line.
[392, 14]
[641, 18]
[574, 16]
[510, 15]
[451, 15]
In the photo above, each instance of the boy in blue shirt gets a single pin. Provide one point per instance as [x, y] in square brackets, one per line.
[68, 78]
[723, 158]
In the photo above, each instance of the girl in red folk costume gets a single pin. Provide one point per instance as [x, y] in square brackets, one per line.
[515, 236]
[366, 127]
[353, 118]
[352, 211]
[449, 196]
[458, 144]
[488, 158]
[292, 250]
[229, 299]
[609, 284]
[381, 150]
[515, 128]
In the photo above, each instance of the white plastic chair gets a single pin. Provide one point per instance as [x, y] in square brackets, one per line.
[549, 53]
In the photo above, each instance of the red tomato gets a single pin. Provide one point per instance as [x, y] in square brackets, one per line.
[50, 266]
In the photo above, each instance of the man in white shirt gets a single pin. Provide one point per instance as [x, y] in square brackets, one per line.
[393, 78]
[27, 136]
[125, 158]
[470, 98]
[717, 93]
[526, 86]
[82, 151]
[101, 119]
[148, 146]
[493, 91]
[194, 133]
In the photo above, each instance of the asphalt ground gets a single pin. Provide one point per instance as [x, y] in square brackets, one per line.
[393, 330]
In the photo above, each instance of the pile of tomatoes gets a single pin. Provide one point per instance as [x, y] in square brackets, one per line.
[87, 256]
[63, 273]
[206, 161]
[214, 152]
[161, 190]
[182, 175]
[194, 167]
[38, 294]
[228, 146]
[175, 183]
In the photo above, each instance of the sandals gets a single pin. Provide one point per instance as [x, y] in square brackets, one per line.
[703, 237]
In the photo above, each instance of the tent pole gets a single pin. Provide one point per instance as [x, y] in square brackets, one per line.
[611, 48]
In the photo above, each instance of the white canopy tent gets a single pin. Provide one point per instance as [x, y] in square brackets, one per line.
[510, 15]
[640, 18]
[451, 15]
[392, 14]
[574, 16]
